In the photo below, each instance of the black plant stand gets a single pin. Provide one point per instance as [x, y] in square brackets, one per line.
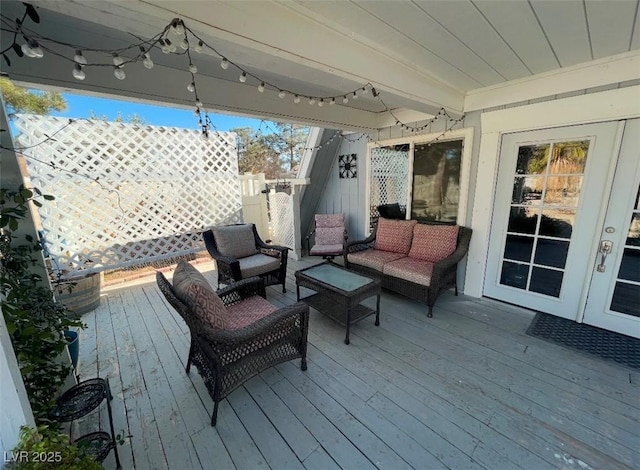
[80, 400]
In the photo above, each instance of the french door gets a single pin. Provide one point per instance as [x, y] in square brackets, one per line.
[548, 210]
[613, 301]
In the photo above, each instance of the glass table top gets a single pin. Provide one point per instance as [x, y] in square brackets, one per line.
[337, 277]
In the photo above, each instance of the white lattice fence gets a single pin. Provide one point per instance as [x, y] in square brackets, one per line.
[282, 223]
[127, 194]
[388, 178]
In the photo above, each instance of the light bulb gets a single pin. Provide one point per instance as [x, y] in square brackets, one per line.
[193, 68]
[148, 63]
[345, 100]
[199, 103]
[184, 44]
[119, 73]
[26, 50]
[37, 52]
[243, 77]
[171, 47]
[79, 58]
[333, 101]
[355, 95]
[177, 28]
[117, 60]
[164, 46]
[282, 94]
[364, 90]
[78, 73]
[198, 47]
[224, 63]
[321, 102]
[296, 99]
[261, 87]
[191, 87]
[312, 100]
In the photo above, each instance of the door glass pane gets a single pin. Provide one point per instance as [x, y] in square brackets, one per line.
[563, 190]
[633, 238]
[626, 295]
[546, 193]
[514, 275]
[569, 157]
[557, 223]
[625, 299]
[527, 190]
[630, 266]
[546, 281]
[436, 181]
[518, 248]
[551, 253]
[522, 220]
[532, 159]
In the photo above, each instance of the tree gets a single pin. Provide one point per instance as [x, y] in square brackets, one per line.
[257, 153]
[22, 100]
[291, 143]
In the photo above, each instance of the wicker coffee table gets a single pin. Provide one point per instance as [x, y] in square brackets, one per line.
[339, 293]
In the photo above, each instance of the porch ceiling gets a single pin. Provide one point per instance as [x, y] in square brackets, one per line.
[420, 55]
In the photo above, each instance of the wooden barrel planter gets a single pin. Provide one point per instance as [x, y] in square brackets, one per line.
[80, 294]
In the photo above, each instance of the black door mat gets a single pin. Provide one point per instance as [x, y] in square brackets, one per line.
[587, 338]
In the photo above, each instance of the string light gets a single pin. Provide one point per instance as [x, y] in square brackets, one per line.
[119, 72]
[79, 58]
[31, 48]
[78, 73]
[117, 60]
[147, 62]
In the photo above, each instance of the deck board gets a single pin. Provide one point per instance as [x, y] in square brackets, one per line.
[464, 389]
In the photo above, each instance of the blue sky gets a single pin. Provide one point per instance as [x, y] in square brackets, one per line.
[80, 106]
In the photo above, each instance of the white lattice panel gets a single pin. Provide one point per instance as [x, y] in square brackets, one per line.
[389, 178]
[282, 223]
[127, 194]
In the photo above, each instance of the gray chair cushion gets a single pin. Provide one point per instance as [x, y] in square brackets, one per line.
[235, 241]
[258, 264]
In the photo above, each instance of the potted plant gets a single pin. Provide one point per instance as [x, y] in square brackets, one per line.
[46, 448]
[36, 322]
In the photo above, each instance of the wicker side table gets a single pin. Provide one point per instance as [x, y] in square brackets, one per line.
[79, 401]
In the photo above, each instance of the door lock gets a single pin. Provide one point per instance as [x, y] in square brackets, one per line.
[606, 246]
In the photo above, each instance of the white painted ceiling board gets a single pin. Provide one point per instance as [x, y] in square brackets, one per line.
[610, 25]
[635, 40]
[517, 24]
[565, 25]
[371, 30]
[482, 39]
[414, 23]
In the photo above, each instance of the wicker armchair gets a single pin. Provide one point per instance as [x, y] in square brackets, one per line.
[240, 253]
[226, 358]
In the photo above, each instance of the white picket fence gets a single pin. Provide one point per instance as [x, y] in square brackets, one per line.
[127, 194]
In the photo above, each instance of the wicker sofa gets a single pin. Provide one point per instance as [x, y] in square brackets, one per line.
[414, 259]
[235, 332]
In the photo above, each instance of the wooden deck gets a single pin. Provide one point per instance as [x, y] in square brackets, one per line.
[465, 389]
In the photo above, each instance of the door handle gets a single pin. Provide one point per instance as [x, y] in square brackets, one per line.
[606, 246]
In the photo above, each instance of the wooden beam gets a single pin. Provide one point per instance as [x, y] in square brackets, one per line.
[614, 69]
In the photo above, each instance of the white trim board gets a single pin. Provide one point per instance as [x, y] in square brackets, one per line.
[610, 105]
[601, 72]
